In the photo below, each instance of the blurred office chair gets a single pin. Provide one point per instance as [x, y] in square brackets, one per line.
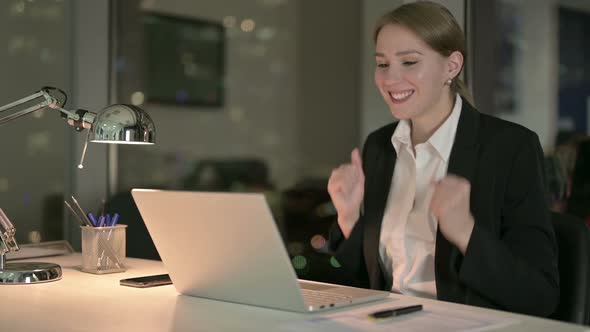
[573, 240]
[237, 174]
[308, 214]
[139, 242]
[577, 204]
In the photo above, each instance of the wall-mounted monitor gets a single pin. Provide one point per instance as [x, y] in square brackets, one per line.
[184, 60]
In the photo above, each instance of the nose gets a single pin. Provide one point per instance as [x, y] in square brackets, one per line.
[389, 75]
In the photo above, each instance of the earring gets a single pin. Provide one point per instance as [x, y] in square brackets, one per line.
[449, 81]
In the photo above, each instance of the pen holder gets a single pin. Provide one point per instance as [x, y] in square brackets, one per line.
[103, 249]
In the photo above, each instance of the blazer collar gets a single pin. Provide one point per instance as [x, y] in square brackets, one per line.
[463, 163]
[378, 186]
[468, 126]
[464, 151]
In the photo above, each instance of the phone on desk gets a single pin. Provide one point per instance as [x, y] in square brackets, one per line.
[147, 281]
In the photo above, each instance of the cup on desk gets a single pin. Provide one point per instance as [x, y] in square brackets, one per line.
[103, 249]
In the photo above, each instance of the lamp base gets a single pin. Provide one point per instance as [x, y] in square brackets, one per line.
[29, 273]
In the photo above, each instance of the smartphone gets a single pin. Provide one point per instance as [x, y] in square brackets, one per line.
[147, 281]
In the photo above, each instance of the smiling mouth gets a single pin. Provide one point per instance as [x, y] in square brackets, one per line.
[400, 97]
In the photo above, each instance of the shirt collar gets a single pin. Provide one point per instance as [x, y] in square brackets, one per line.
[442, 139]
[401, 135]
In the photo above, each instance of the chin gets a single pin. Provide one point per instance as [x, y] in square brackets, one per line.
[399, 112]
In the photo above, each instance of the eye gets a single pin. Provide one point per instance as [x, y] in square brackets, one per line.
[382, 65]
[409, 63]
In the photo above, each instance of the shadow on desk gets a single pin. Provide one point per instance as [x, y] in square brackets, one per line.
[194, 313]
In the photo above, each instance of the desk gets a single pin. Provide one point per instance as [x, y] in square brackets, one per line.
[87, 302]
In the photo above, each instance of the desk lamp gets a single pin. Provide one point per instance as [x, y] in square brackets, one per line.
[115, 124]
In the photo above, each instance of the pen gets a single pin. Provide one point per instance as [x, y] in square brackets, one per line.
[101, 221]
[115, 219]
[395, 311]
[92, 219]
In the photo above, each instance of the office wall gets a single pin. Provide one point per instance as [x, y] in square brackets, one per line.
[35, 53]
[536, 71]
[328, 84]
[62, 44]
[288, 82]
[538, 67]
[259, 110]
[90, 48]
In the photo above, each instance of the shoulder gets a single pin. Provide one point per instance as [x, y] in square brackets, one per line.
[497, 141]
[507, 146]
[379, 141]
[381, 135]
[496, 131]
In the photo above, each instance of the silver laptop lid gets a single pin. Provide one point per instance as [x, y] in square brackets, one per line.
[223, 246]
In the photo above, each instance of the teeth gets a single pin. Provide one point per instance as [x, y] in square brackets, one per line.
[402, 95]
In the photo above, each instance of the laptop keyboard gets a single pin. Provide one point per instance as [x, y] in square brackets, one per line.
[317, 298]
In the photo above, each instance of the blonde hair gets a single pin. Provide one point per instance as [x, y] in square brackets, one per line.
[436, 26]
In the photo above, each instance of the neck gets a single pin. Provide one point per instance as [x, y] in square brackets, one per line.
[425, 125]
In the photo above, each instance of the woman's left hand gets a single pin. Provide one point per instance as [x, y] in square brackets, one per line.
[450, 205]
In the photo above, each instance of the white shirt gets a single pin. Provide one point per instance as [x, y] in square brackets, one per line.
[408, 231]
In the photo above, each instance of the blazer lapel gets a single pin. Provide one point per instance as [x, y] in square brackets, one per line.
[462, 162]
[379, 185]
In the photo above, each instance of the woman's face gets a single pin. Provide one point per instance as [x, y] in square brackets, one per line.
[409, 74]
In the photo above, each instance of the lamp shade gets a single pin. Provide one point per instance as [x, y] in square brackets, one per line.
[123, 124]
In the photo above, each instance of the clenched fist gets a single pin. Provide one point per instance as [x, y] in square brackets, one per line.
[450, 205]
[347, 188]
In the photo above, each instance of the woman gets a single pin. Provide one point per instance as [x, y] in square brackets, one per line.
[453, 201]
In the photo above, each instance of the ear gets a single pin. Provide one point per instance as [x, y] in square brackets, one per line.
[454, 64]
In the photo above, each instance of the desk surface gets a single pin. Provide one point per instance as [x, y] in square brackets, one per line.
[88, 302]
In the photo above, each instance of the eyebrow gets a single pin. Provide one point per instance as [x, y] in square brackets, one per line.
[400, 53]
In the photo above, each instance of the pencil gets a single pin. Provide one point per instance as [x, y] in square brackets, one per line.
[80, 221]
[86, 220]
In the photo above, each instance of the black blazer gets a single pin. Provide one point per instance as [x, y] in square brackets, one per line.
[511, 260]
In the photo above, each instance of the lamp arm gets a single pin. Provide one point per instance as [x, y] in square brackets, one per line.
[22, 101]
[79, 119]
[7, 231]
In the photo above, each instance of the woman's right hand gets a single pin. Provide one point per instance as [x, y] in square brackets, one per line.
[347, 188]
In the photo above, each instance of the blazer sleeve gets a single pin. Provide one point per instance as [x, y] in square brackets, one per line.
[518, 269]
[349, 252]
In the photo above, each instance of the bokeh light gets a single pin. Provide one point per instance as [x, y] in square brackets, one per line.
[248, 25]
[318, 242]
[295, 248]
[229, 22]
[299, 262]
[334, 262]
[137, 98]
[34, 236]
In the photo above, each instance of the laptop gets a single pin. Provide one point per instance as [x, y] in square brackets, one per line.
[226, 246]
